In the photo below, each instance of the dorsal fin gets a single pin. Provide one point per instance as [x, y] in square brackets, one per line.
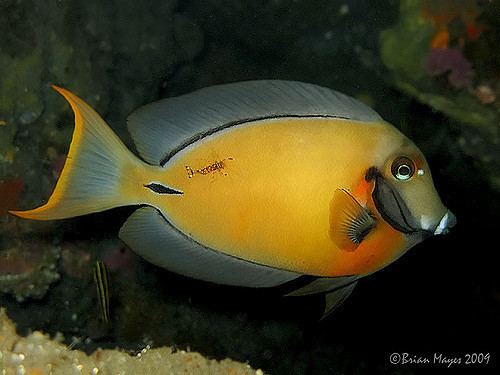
[162, 127]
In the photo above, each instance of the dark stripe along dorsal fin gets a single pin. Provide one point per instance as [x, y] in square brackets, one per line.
[159, 129]
[350, 222]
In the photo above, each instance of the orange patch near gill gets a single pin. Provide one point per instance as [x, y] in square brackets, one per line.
[363, 191]
[382, 246]
[379, 248]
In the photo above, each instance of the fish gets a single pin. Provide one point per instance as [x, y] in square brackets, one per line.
[101, 278]
[309, 187]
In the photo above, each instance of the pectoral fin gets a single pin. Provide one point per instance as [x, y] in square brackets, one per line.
[350, 222]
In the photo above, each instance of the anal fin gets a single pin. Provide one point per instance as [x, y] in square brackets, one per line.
[150, 235]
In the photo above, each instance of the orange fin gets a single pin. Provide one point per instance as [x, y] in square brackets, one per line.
[350, 222]
[90, 179]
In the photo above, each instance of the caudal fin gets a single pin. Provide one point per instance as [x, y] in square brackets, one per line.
[91, 177]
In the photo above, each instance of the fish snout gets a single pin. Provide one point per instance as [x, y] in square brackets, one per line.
[447, 221]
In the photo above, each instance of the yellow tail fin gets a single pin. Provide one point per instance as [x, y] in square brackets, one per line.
[92, 174]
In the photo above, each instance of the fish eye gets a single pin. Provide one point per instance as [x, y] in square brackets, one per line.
[403, 168]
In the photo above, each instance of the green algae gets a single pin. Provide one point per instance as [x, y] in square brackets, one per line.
[404, 49]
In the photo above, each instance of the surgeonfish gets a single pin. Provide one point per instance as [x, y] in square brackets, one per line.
[101, 280]
[255, 184]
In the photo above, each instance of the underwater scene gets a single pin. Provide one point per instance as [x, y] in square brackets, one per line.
[249, 187]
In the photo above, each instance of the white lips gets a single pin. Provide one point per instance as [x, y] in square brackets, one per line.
[447, 221]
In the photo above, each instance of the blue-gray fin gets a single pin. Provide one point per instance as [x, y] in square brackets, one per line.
[334, 299]
[162, 128]
[324, 285]
[151, 236]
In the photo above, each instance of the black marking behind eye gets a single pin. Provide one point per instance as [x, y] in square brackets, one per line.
[162, 189]
[371, 173]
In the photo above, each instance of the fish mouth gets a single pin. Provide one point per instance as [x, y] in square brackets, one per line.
[392, 207]
[394, 210]
[447, 221]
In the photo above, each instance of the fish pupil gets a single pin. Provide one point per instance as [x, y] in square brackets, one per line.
[404, 170]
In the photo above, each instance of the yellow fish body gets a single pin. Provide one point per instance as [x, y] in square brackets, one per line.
[255, 184]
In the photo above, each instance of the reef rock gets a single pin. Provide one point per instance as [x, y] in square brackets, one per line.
[115, 54]
[37, 354]
[28, 268]
[446, 54]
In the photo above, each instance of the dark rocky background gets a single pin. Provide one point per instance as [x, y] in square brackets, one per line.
[443, 296]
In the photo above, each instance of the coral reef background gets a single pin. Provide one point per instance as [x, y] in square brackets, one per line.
[431, 71]
[37, 354]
